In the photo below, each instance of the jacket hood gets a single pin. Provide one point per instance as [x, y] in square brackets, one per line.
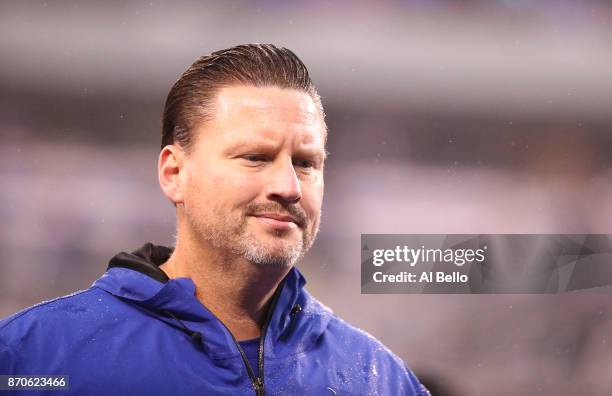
[296, 323]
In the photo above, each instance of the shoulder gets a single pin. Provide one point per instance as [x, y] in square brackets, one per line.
[344, 334]
[52, 323]
[367, 351]
[356, 339]
[368, 355]
[58, 308]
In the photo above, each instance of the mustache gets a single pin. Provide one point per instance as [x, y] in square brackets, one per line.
[294, 211]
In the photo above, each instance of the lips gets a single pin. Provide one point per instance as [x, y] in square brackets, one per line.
[276, 216]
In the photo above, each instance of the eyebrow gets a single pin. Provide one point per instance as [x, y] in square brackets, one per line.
[263, 144]
[235, 146]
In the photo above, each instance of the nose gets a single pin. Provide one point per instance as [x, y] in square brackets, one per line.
[284, 185]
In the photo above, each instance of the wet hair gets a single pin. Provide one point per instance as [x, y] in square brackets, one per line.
[191, 99]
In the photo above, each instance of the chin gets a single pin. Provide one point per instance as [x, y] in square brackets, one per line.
[276, 252]
[282, 248]
[277, 237]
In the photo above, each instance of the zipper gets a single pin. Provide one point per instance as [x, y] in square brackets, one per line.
[258, 381]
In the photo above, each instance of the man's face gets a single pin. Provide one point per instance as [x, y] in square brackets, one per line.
[254, 180]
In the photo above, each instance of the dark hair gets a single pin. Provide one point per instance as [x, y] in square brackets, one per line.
[191, 99]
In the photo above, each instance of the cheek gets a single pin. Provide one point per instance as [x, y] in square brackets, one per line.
[312, 199]
[220, 187]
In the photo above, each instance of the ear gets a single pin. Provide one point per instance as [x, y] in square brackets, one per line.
[170, 169]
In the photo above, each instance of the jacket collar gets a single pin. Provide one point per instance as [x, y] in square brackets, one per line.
[136, 278]
[146, 260]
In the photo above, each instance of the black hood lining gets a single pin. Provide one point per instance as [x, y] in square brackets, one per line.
[146, 260]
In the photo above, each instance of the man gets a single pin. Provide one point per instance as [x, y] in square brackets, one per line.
[225, 311]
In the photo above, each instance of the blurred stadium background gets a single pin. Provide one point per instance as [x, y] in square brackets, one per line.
[444, 117]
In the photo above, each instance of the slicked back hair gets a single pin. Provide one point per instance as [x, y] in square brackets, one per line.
[191, 99]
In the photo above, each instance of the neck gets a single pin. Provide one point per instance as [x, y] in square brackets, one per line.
[238, 292]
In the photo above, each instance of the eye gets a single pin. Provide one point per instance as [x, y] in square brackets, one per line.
[304, 164]
[255, 157]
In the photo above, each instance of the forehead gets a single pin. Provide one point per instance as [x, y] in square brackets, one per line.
[266, 106]
[244, 115]
[250, 99]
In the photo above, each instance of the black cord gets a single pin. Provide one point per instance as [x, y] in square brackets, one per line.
[196, 336]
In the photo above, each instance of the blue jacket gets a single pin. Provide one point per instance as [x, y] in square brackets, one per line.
[136, 332]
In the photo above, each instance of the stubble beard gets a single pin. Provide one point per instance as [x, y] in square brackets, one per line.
[232, 235]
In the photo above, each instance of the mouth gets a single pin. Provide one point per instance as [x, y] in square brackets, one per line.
[278, 221]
